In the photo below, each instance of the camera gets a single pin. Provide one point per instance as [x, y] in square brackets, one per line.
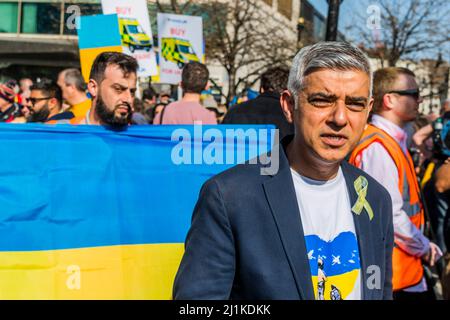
[415, 156]
[441, 136]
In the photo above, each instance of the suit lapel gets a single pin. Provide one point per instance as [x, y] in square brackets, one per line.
[363, 231]
[280, 194]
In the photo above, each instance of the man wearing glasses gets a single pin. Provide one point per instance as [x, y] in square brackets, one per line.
[382, 152]
[44, 104]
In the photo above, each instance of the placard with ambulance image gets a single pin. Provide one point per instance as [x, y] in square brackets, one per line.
[133, 36]
[180, 39]
[178, 51]
[135, 32]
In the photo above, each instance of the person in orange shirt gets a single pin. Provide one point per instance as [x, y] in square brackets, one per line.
[74, 91]
[112, 85]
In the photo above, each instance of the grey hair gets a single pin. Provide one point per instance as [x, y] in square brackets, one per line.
[326, 55]
[73, 77]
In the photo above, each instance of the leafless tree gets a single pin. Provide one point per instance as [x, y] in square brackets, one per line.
[435, 80]
[397, 29]
[241, 37]
[173, 6]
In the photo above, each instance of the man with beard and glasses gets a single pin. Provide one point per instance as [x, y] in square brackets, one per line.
[44, 104]
[112, 85]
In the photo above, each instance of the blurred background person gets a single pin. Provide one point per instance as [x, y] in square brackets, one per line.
[266, 108]
[165, 97]
[194, 79]
[24, 112]
[74, 91]
[434, 139]
[213, 106]
[430, 141]
[9, 108]
[442, 185]
[156, 111]
[138, 116]
[24, 85]
[383, 153]
[149, 98]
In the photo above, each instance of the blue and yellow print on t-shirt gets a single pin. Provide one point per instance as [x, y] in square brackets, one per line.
[335, 265]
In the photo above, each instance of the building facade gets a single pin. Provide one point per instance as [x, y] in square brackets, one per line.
[38, 38]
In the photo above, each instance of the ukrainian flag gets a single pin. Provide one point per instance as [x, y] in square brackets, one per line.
[90, 213]
[97, 34]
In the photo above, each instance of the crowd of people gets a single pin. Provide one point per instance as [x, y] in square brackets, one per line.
[69, 98]
[322, 105]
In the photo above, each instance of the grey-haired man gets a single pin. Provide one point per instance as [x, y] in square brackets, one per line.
[257, 236]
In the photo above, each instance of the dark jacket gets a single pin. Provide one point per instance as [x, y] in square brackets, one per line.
[246, 240]
[264, 109]
[66, 115]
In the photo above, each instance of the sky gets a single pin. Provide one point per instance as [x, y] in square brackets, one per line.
[347, 17]
[320, 5]
[346, 10]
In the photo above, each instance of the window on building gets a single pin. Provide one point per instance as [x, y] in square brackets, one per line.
[285, 8]
[43, 18]
[8, 17]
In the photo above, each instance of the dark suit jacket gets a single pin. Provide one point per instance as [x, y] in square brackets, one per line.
[246, 240]
[264, 109]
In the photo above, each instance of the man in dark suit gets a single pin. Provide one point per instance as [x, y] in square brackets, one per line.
[266, 108]
[318, 228]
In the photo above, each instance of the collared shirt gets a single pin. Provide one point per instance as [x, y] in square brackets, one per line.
[376, 161]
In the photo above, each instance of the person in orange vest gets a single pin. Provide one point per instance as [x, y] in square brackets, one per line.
[112, 86]
[382, 152]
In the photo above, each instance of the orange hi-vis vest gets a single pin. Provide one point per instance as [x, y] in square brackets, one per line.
[78, 120]
[407, 269]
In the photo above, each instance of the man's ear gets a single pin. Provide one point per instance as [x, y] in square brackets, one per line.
[287, 101]
[388, 102]
[93, 88]
[53, 104]
[369, 107]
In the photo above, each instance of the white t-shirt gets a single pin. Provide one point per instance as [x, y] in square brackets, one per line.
[330, 237]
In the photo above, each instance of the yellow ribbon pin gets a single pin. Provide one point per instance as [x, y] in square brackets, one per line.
[361, 184]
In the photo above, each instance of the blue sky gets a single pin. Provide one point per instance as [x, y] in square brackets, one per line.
[345, 11]
[320, 5]
[347, 15]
